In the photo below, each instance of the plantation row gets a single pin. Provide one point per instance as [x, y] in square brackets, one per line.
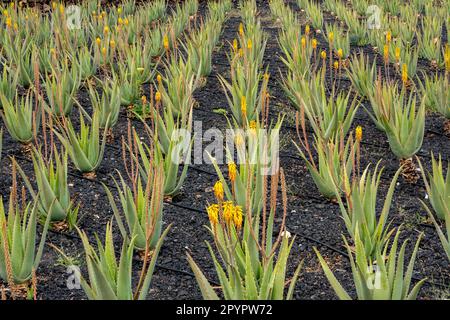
[147, 61]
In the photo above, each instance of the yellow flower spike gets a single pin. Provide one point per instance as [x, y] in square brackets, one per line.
[331, 36]
[386, 53]
[388, 37]
[336, 65]
[158, 96]
[404, 73]
[303, 42]
[244, 106]
[241, 29]
[239, 140]
[314, 43]
[54, 5]
[397, 54]
[120, 21]
[241, 52]
[323, 54]
[237, 217]
[232, 171]
[144, 100]
[249, 44]
[112, 43]
[159, 79]
[98, 41]
[104, 51]
[126, 22]
[213, 213]
[447, 57]
[235, 45]
[266, 76]
[166, 42]
[340, 53]
[105, 30]
[228, 211]
[358, 133]
[307, 29]
[119, 10]
[8, 22]
[252, 125]
[61, 9]
[5, 13]
[218, 190]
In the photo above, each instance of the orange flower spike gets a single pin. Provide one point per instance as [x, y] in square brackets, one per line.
[218, 190]
[232, 171]
[213, 213]
[358, 133]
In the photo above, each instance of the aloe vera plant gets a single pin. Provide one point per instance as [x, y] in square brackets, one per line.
[254, 262]
[335, 160]
[405, 129]
[327, 116]
[445, 240]
[85, 148]
[61, 87]
[20, 117]
[142, 207]
[18, 255]
[246, 93]
[360, 214]
[178, 155]
[385, 280]
[436, 94]
[438, 187]
[111, 279]
[52, 195]
[107, 105]
[8, 83]
[362, 74]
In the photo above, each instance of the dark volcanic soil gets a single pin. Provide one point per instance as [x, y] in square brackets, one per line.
[315, 220]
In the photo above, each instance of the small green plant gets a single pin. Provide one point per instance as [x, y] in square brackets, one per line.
[445, 240]
[382, 279]
[434, 91]
[178, 154]
[87, 62]
[247, 92]
[177, 87]
[111, 279]
[437, 186]
[142, 208]
[314, 14]
[8, 83]
[405, 128]
[360, 215]
[20, 118]
[52, 195]
[85, 148]
[362, 74]
[327, 115]
[61, 88]
[335, 159]
[129, 82]
[106, 105]
[18, 255]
